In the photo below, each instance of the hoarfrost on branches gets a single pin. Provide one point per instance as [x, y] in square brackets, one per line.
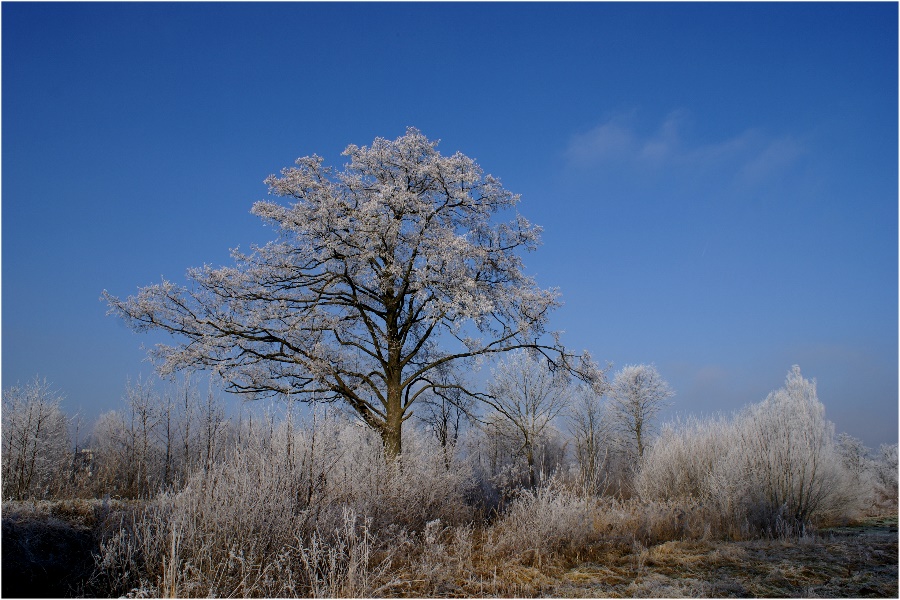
[372, 265]
[525, 397]
[35, 441]
[637, 395]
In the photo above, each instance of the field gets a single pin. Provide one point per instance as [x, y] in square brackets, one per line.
[44, 545]
[858, 561]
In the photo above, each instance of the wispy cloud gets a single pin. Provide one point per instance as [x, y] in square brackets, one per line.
[776, 156]
[611, 140]
[750, 156]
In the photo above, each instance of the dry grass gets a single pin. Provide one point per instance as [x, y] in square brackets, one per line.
[856, 561]
[464, 560]
[848, 562]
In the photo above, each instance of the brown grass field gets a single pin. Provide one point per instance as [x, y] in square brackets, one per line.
[848, 562]
[855, 561]
[858, 561]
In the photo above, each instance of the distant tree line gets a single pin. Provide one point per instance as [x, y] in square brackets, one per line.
[154, 443]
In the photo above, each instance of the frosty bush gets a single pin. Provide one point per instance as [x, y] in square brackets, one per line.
[885, 474]
[788, 456]
[685, 460]
[773, 468]
[546, 521]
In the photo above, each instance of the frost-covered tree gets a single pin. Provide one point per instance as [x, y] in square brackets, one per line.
[637, 395]
[373, 266]
[36, 451]
[592, 432]
[525, 396]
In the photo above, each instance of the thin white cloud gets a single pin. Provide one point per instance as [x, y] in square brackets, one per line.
[751, 157]
[778, 155]
[609, 141]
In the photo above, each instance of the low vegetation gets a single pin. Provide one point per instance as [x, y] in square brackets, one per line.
[186, 502]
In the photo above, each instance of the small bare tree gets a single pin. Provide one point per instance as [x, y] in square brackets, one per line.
[525, 397]
[637, 395]
[144, 419]
[444, 409]
[188, 403]
[213, 427]
[591, 428]
[168, 422]
[36, 452]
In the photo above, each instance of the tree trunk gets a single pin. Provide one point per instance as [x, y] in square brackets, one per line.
[529, 456]
[391, 432]
[391, 438]
[638, 430]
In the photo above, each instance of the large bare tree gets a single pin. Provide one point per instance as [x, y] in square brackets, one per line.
[374, 265]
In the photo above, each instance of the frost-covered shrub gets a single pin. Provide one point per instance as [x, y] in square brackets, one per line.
[788, 455]
[684, 461]
[885, 475]
[859, 473]
[548, 520]
[774, 468]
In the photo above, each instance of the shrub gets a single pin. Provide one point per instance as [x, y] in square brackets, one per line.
[683, 462]
[549, 520]
[788, 457]
[310, 511]
[773, 469]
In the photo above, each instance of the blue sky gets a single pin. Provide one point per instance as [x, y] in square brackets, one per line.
[717, 182]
